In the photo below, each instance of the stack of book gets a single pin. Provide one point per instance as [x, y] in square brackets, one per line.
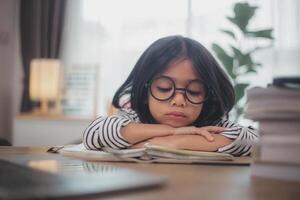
[277, 111]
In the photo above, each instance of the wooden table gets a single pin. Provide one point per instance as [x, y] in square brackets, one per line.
[186, 181]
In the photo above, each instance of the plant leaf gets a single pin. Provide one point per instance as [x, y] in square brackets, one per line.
[243, 12]
[256, 49]
[239, 90]
[228, 32]
[266, 33]
[243, 59]
[226, 59]
[258, 64]
[251, 69]
[239, 112]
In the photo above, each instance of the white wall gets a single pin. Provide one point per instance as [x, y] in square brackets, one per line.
[10, 67]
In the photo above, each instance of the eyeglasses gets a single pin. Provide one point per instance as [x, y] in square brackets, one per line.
[163, 88]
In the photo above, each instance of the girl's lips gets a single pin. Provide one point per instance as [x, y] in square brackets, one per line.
[176, 114]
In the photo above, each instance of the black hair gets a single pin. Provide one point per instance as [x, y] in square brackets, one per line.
[157, 57]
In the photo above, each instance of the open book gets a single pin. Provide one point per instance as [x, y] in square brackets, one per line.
[151, 154]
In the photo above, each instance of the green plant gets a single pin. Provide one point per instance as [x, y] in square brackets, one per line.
[237, 59]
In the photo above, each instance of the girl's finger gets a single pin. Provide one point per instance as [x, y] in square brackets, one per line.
[232, 129]
[206, 135]
[214, 128]
[184, 131]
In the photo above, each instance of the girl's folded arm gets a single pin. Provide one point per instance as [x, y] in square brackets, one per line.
[138, 132]
[121, 131]
[235, 140]
[191, 142]
[105, 132]
[243, 138]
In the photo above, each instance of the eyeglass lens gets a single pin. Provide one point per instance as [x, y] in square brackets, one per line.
[164, 88]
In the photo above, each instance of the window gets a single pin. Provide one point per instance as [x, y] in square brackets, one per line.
[112, 35]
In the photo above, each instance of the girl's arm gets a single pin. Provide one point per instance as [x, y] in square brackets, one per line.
[121, 131]
[189, 142]
[124, 129]
[198, 143]
[234, 139]
[105, 131]
[137, 132]
[243, 138]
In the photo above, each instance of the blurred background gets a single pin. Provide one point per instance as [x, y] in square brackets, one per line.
[85, 49]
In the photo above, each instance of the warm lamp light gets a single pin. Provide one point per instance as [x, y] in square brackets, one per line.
[44, 85]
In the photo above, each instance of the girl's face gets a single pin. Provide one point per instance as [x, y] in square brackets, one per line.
[176, 111]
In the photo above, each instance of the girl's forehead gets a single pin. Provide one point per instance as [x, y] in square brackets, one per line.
[181, 70]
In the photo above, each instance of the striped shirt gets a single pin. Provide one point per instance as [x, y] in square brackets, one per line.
[105, 132]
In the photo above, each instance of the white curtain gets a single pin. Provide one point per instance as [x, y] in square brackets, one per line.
[287, 34]
[112, 34]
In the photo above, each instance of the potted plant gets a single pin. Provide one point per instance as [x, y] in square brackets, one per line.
[238, 58]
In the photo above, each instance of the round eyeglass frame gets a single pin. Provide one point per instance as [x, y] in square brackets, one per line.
[180, 89]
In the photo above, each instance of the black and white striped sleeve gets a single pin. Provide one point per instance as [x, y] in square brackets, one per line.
[105, 131]
[243, 138]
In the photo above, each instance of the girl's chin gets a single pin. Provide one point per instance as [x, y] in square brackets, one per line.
[175, 124]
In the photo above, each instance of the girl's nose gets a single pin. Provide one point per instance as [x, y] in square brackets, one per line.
[178, 99]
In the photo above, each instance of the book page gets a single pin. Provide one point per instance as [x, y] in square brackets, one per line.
[150, 155]
[187, 154]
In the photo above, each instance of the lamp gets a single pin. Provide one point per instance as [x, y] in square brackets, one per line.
[44, 83]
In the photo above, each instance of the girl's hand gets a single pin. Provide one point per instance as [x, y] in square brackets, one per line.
[205, 131]
[167, 141]
[139, 145]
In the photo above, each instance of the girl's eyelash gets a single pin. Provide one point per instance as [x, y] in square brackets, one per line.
[194, 92]
[164, 89]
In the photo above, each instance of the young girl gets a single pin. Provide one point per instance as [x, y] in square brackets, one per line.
[179, 97]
